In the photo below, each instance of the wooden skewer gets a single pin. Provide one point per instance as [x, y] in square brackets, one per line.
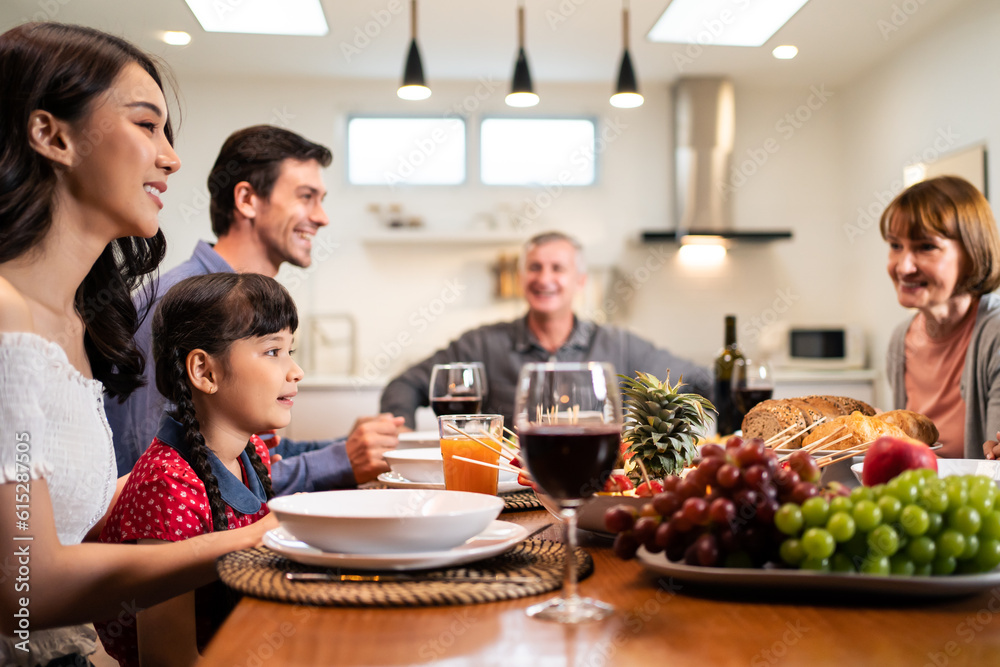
[818, 445]
[843, 454]
[802, 432]
[848, 454]
[504, 467]
[513, 437]
[471, 437]
[504, 449]
[811, 448]
[824, 438]
[767, 443]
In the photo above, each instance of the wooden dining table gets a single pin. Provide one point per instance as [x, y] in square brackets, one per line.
[658, 621]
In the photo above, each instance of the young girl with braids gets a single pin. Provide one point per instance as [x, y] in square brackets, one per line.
[221, 347]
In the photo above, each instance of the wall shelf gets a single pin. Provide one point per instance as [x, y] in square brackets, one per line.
[424, 237]
[747, 236]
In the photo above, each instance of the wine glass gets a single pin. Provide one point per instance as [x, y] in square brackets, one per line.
[752, 383]
[457, 389]
[569, 420]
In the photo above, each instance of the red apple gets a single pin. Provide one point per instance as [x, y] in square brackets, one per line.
[889, 456]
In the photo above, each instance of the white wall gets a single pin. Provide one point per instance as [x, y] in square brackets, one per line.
[940, 93]
[851, 142]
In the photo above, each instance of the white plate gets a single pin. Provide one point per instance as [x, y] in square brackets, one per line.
[397, 481]
[947, 467]
[498, 537]
[796, 580]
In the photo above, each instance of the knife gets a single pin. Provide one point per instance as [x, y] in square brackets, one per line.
[377, 578]
[367, 578]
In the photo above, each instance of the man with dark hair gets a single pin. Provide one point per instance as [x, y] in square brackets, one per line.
[267, 193]
[552, 274]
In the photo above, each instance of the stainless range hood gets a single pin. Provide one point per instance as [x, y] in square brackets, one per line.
[704, 125]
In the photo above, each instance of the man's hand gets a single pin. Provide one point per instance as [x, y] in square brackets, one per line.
[370, 438]
[991, 448]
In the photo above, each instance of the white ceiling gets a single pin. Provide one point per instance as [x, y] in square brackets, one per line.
[567, 40]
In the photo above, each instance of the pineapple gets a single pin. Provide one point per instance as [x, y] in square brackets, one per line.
[661, 424]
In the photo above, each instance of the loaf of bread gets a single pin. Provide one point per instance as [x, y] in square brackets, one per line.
[769, 418]
[850, 431]
[914, 424]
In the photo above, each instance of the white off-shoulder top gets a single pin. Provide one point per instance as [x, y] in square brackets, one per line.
[54, 415]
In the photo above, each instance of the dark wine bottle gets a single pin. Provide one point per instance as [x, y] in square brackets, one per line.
[730, 417]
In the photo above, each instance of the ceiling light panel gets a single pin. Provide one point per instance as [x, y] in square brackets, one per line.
[261, 17]
[723, 22]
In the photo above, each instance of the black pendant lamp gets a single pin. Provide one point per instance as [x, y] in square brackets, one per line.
[414, 87]
[627, 91]
[522, 94]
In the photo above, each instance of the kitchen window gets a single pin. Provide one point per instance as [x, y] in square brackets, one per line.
[537, 151]
[410, 150]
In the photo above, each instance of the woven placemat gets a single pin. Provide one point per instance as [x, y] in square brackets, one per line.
[520, 501]
[260, 572]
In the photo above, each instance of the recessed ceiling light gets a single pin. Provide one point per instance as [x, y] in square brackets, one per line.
[261, 17]
[723, 22]
[176, 38]
[785, 52]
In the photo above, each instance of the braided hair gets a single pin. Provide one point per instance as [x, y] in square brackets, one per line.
[210, 313]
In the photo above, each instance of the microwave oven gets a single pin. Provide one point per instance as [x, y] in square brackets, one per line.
[819, 347]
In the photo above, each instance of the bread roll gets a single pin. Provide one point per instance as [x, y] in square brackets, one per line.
[769, 418]
[914, 424]
[857, 428]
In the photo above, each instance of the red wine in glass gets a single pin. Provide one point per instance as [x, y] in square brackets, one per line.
[570, 462]
[457, 405]
[748, 398]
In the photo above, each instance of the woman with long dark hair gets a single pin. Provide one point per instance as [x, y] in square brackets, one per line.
[85, 157]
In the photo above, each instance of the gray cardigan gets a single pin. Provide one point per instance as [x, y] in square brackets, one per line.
[980, 384]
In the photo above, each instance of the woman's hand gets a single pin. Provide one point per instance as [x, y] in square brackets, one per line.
[991, 448]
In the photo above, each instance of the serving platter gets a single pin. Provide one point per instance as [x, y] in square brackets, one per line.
[394, 480]
[804, 580]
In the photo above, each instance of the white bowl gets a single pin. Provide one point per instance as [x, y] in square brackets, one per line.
[385, 521]
[419, 439]
[423, 465]
[426, 466]
[947, 467]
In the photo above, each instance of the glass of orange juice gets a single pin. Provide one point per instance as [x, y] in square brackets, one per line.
[462, 475]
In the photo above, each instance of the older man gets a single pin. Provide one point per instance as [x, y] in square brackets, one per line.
[552, 274]
[266, 207]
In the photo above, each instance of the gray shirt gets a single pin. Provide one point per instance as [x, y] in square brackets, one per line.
[980, 383]
[505, 346]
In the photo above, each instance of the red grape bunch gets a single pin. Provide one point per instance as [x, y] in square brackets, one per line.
[722, 512]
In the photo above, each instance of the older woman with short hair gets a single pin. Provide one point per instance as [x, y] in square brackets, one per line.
[944, 261]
